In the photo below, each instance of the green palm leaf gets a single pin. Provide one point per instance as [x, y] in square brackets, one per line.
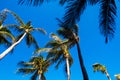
[16, 17]
[99, 67]
[36, 66]
[73, 11]
[107, 19]
[31, 40]
[26, 70]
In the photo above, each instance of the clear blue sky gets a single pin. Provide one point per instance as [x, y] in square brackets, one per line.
[92, 42]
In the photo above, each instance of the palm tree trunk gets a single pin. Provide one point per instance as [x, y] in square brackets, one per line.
[39, 77]
[68, 68]
[2, 55]
[108, 76]
[84, 72]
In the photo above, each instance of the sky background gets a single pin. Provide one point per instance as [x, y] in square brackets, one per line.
[92, 43]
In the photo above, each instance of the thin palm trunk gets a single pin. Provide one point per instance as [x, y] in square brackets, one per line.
[39, 77]
[84, 72]
[68, 68]
[108, 76]
[2, 55]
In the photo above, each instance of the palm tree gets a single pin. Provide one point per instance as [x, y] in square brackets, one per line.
[37, 66]
[72, 35]
[107, 15]
[59, 52]
[102, 68]
[26, 32]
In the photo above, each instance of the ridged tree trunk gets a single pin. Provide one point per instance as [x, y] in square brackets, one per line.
[68, 68]
[2, 55]
[84, 72]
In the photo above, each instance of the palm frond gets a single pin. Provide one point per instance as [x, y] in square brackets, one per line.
[4, 41]
[55, 37]
[6, 34]
[93, 2]
[62, 2]
[99, 67]
[58, 60]
[3, 16]
[70, 60]
[52, 43]
[25, 64]
[73, 11]
[39, 50]
[67, 32]
[107, 19]
[34, 76]
[16, 17]
[14, 27]
[19, 36]
[31, 2]
[40, 30]
[26, 70]
[31, 40]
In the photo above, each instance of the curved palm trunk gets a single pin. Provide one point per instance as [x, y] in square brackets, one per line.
[84, 72]
[108, 76]
[2, 55]
[68, 68]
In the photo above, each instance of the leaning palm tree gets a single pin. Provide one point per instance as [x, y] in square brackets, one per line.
[37, 66]
[102, 68]
[58, 51]
[73, 39]
[26, 32]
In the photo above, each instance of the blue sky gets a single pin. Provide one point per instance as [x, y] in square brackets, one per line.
[92, 42]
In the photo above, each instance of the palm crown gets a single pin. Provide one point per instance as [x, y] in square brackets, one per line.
[26, 30]
[37, 66]
[58, 51]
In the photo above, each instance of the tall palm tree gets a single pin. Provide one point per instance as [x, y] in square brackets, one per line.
[72, 35]
[59, 52]
[102, 68]
[26, 32]
[37, 66]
